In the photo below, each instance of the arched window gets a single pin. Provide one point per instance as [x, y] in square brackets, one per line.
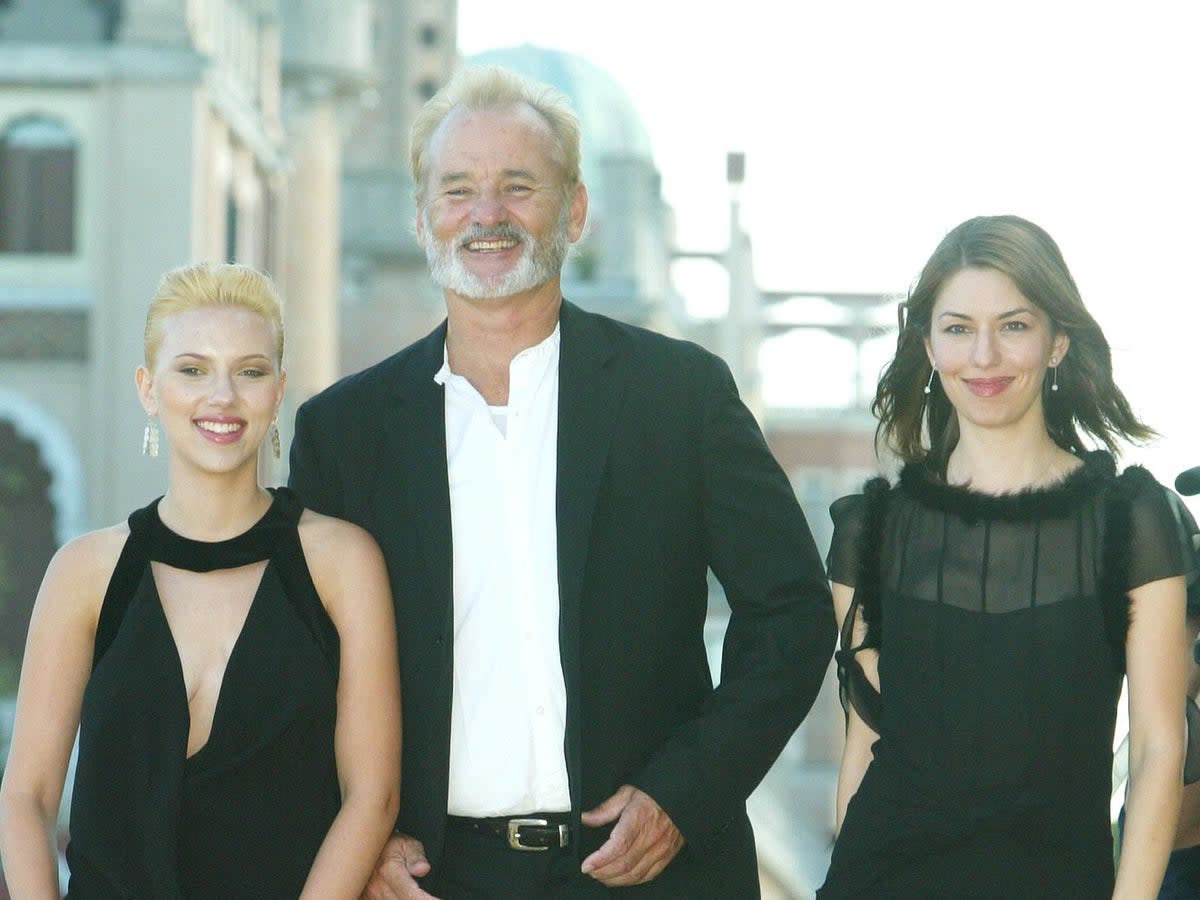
[37, 187]
[27, 542]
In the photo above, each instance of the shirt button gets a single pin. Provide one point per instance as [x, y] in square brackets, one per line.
[541, 710]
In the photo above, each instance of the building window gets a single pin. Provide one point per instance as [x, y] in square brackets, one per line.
[429, 35]
[37, 187]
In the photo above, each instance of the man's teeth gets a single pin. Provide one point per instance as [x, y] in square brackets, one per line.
[491, 245]
[220, 427]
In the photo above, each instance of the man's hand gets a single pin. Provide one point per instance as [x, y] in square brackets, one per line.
[401, 862]
[640, 846]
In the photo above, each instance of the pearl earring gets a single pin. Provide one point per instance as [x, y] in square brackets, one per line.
[1054, 367]
[929, 383]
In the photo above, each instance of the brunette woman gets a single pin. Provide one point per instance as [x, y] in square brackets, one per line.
[993, 600]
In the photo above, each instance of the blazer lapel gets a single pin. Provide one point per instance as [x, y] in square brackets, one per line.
[589, 396]
[591, 385]
[415, 449]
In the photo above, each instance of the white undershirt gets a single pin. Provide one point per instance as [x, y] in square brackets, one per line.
[508, 719]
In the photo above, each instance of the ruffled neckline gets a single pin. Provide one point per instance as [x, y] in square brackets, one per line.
[921, 482]
[255, 544]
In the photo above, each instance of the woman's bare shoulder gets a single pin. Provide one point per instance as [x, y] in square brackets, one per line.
[335, 548]
[94, 553]
[78, 575]
[345, 563]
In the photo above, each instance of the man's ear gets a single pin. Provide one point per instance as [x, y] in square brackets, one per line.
[577, 213]
[419, 228]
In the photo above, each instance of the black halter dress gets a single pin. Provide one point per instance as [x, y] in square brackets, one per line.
[245, 814]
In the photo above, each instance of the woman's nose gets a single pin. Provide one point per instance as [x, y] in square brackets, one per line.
[221, 388]
[985, 351]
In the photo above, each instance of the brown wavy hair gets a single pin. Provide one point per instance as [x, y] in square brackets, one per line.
[917, 426]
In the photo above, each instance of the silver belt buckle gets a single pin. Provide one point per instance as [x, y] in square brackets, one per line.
[514, 834]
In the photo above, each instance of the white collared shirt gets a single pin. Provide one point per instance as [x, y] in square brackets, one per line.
[508, 720]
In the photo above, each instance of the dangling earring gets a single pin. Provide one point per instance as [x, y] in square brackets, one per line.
[274, 432]
[150, 437]
[1054, 368]
[929, 383]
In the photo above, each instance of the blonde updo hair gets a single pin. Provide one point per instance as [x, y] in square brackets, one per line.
[207, 284]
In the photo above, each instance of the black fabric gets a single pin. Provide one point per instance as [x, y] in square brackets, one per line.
[1189, 537]
[999, 681]
[1191, 759]
[245, 814]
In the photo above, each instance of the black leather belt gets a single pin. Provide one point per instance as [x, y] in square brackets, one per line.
[539, 831]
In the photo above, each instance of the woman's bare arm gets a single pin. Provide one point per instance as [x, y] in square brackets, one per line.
[351, 579]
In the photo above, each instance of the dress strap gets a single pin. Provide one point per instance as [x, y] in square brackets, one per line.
[131, 567]
[271, 536]
[253, 545]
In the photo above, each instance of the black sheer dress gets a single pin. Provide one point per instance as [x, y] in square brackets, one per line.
[245, 814]
[1000, 623]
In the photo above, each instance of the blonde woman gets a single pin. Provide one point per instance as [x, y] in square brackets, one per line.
[227, 656]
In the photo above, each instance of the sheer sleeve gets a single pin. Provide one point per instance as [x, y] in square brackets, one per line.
[1189, 538]
[849, 552]
[1161, 534]
[849, 515]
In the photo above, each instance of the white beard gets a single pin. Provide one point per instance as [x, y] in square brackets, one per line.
[540, 260]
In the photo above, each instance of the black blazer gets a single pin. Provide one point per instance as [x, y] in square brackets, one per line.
[662, 474]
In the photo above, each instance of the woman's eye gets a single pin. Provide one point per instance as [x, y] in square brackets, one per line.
[190, 370]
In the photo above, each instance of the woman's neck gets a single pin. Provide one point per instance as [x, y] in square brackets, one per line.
[213, 508]
[1006, 462]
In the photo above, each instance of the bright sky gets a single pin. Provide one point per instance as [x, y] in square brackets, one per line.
[872, 127]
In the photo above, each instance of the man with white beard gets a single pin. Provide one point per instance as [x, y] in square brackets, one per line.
[550, 488]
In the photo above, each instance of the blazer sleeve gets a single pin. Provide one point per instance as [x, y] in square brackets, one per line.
[781, 629]
[313, 469]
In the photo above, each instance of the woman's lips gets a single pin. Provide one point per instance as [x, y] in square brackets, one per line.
[221, 431]
[987, 387]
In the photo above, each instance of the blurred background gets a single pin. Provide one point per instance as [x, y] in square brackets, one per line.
[765, 178]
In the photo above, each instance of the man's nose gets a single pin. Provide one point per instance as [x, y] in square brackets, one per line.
[488, 209]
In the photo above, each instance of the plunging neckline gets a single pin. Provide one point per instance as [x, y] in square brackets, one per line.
[172, 549]
[147, 818]
[235, 654]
